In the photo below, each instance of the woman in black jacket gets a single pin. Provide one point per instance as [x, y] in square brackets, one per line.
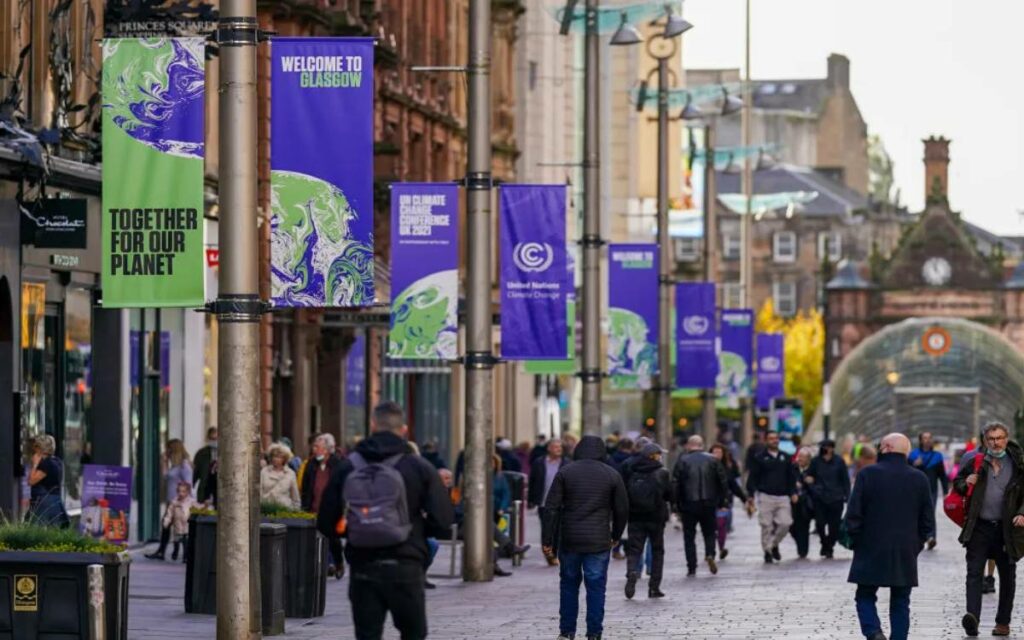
[723, 516]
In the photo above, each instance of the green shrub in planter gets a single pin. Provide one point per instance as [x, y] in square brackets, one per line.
[44, 583]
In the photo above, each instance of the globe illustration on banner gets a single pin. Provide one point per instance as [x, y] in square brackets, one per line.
[632, 358]
[158, 98]
[732, 381]
[423, 323]
[317, 261]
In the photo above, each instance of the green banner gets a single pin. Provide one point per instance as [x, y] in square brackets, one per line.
[153, 132]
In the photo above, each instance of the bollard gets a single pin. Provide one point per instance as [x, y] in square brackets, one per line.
[97, 606]
[516, 530]
[455, 548]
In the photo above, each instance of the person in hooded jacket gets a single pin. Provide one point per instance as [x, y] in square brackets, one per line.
[650, 493]
[828, 482]
[587, 504]
[994, 527]
[390, 579]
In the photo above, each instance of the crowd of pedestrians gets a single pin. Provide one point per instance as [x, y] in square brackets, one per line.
[385, 506]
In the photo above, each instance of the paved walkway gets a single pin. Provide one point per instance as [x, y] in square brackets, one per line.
[797, 599]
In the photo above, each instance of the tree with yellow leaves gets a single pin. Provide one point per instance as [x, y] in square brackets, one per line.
[804, 352]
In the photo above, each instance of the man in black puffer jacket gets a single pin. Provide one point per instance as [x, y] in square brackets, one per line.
[650, 492]
[587, 503]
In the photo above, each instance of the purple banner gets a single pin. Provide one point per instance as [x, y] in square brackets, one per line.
[696, 336]
[355, 372]
[534, 278]
[424, 271]
[736, 357]
[321, 172]
[106, 502]
[632, 315]
[771, 368]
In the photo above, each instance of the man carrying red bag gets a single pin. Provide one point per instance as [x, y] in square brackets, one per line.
[994, 525]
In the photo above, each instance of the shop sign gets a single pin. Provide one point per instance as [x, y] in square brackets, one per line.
[158, 18]
[55, 223]
[63, 261]
[106, 502]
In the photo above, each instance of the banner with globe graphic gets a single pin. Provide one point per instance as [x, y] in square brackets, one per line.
[735, 358]
[424, 271]
[771, 368]
[321, 172]
[696, 336]
[632, 315]
[535, 280]
[153, 126]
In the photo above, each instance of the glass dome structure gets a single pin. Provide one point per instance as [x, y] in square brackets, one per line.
[944, 375]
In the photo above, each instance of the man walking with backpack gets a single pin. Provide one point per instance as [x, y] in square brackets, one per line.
[994, 527]
[587, 504]
[650, 492]
[701, 485]
[392, 501]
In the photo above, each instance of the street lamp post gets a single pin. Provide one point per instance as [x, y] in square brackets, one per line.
[746, 241]
[590, 374]
[661, 47]
[710, 415]
[477, 565]
[238, 308]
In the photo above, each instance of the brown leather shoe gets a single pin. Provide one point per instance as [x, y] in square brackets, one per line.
[1001, 630]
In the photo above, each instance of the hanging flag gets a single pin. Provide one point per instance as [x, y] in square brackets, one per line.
[632, 315]
[153, 128]
[534, 278]
[321, 172]
[771, 368]
[696, 336]
[734, 360]
[424, 271]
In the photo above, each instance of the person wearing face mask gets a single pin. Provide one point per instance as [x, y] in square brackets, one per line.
[994, 527]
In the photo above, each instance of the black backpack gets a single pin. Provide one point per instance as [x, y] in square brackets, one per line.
[644, 491]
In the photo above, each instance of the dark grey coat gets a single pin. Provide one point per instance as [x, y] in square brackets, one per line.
[889, 517]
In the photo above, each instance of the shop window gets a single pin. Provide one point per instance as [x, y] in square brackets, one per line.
[77, 382]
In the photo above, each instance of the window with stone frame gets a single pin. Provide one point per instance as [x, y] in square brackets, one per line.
[784, 246]
[687, 249]
[784, 298]
[830, 244]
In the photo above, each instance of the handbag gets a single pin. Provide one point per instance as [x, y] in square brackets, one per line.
[844, 538]
[954, 504]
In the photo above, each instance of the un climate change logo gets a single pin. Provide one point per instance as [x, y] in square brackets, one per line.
[770, 364]
[533, 257]
[695, 325]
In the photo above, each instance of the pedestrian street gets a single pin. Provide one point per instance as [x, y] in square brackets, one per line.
[796, 600]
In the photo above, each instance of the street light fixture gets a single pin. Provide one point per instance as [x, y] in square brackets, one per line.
[690, 112]
[674, 25]
[626, 34]
[730, 104]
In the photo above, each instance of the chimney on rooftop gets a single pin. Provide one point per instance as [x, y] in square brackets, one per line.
[936, 170]
[838, 71]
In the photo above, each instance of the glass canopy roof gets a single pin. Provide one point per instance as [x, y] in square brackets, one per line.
[944, 375]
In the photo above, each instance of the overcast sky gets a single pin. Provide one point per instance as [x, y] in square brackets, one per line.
[918, 67]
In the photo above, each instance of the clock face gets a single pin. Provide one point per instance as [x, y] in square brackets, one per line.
[936, 271]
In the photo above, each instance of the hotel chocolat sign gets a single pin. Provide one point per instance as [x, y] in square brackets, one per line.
[55, 223]
[158, 18]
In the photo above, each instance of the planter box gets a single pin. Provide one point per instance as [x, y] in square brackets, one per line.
[305, 567]
[58, 607]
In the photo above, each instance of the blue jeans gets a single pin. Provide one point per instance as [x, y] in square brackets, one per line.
[592, 570]
[899, 611]
[432, 547]
[647, 560]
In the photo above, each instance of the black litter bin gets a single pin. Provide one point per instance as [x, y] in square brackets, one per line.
[272, 543]
[305, 569]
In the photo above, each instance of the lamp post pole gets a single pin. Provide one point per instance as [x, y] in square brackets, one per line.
[665, 263]
[479, 360]
[746, 241]
[238, 308]
[710, 415]
[590, 374]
